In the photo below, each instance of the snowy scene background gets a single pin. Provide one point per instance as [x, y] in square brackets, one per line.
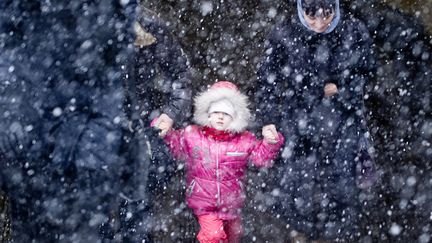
[224, 40]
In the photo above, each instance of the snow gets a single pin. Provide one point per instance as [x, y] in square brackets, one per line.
[63, 101]
[395, 229]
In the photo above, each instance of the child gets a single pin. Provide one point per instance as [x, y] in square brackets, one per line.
[216, 152]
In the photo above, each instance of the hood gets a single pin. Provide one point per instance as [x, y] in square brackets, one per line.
[240, 102]
[333, 24]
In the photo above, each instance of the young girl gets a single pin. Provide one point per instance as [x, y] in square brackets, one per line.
[216, 152]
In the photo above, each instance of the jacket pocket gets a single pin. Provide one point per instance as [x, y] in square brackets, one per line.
[190, 188]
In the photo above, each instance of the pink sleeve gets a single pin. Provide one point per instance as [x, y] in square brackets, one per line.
[264, 153]
[175, 141]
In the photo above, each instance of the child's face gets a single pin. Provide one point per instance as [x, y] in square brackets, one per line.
[220, 120]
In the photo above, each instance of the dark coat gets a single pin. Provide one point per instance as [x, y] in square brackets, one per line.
[400, 96]
[160, 83]
[70, 131]
[61, 88]
[324, 134]
[163, 78]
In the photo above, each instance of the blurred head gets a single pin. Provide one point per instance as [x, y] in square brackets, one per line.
[320, 20]
[320, 16]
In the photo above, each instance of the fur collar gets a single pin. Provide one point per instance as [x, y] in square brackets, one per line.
[240, 102]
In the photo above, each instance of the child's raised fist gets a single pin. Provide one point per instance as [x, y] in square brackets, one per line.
[270, 134]
[164, 123]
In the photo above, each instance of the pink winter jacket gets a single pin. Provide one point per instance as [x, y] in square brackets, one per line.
[215, 170]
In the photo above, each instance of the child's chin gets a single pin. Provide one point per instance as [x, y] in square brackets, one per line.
[220, 128]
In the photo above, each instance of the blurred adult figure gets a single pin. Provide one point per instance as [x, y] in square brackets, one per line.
[62, 98]
[161, 78]
[314, 71]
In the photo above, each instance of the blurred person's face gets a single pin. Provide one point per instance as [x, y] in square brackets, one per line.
[220, 120]
[320, 21]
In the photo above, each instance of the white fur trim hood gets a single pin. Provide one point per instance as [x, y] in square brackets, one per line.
[240, 102]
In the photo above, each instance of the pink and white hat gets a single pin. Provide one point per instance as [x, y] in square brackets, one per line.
[223, 96]
[222, 105]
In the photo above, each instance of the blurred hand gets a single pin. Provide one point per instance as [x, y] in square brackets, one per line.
[164, 123]
[270, 134]
[330, 89]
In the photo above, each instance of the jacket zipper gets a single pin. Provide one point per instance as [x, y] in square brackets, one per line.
[217, 176]
[190, 188]
[241, 185]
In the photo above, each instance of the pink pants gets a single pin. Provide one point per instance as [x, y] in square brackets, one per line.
[215, 230]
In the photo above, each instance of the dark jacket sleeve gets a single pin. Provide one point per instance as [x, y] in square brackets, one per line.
[270, 83]
[359, 69]
[91, 137]
[176, 70]
[173, 64]
[20, 136]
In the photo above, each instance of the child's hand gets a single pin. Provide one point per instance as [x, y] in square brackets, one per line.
[164, 123]
[330, 89]
[270, 134]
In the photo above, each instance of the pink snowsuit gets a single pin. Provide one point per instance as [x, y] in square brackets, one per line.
[215, 169]
[216, 160]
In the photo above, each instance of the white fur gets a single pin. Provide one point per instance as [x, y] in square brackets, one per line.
[240, 102]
